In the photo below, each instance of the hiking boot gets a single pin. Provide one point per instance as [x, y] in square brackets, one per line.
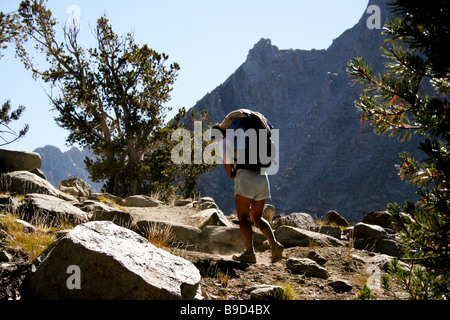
[246, 256]
[277, 251]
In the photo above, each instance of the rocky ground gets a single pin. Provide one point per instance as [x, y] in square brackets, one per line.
[225, 279]
[237, 284]
[13, 274]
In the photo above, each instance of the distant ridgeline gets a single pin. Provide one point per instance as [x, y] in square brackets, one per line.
[328, 159]
[59, 165]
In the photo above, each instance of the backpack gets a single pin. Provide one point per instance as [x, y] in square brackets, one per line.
[254, 149]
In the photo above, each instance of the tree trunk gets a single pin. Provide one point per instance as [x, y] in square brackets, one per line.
[133, 160]
[133, 186]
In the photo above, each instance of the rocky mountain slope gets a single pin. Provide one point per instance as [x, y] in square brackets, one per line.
[328, 159]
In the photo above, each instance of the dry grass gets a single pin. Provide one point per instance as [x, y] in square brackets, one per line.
[223, 278]
[287, 292]
[160, 235]
[322, 222]
[102, 198]
[33, 243]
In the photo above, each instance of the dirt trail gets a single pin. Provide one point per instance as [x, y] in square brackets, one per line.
[343, 263]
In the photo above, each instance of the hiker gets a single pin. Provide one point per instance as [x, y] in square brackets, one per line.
[251, 184]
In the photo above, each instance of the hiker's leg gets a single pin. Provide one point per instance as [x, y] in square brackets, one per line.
[264, 226]
[261, 223]
[243, 207]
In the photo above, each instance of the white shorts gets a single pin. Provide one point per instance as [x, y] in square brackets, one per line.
[252, 184]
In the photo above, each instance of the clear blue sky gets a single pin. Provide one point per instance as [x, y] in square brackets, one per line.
[210, 39]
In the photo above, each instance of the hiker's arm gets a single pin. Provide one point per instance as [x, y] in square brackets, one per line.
[228, 168]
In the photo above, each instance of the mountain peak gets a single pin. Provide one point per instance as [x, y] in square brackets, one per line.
[263, 43]
[262, 50]
[328, 160]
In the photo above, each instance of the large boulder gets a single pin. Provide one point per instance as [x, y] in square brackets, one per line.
[23, 182]
[141, 201]
[265, 292]
[381, 218]
[340, 286]
[388, 246]
[108, 211]
[76, 187]
[307, 267]
[297, 219]
[182, 202]
[333, 231]
[187, 236]
[102, 261]
[107, 197]
[9, 203]
[293, 237]
[368, 231]
[335, 219]
[50, 210]
[19, 160]
[375, 238]
[214, 217]
[226, 240]
[205, 203]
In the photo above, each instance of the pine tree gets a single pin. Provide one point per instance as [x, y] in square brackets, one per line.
[9, 30]
[411, 97]
[7, 134]
[112, 98]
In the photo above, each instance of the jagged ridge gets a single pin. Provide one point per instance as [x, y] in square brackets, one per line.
[328, 159]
